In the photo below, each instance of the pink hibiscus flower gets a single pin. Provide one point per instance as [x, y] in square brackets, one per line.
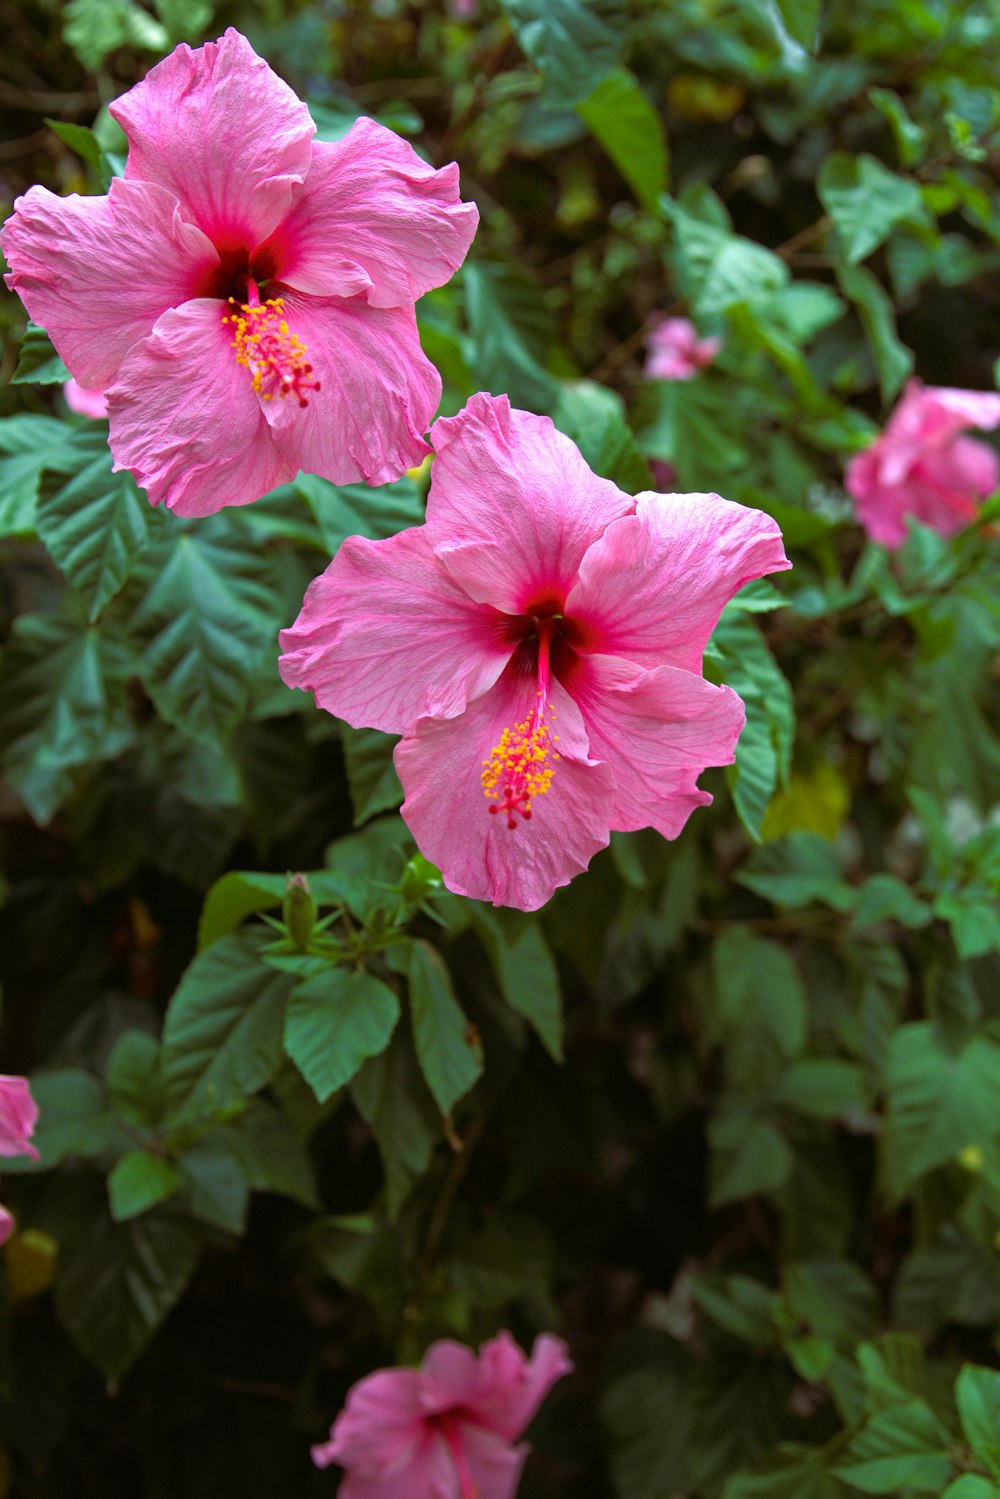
[445, 1430]
[18, 1116]
[538, 644]
[921, 466]
[85, 402]
[244, 295]
[675, 350]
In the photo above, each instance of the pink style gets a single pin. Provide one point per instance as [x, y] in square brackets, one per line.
[244, 294]
[538, 644]
[923, 467]
[18, 1116]
[445, 1430]
[675, 350]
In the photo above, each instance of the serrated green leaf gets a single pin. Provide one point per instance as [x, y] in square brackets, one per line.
[222, 1032]
[977, 1392]
[62, 705]
[621, 117]
[215, 1189]
[718, 269]
[138, 1181]
[376, 511]
[885, 898]
[511, 333]
[865, 201]
[821, 1087]
[80, 139]
[450, 1057]
[73, 1117]
[573, 43]
[207, 618]
[371, 774]
[594, 417]
[760, 1004]
[95, 28]
[749, 1156]
[38, 363]
[903, 1447]
[893, 360]
[335, 1021]
[234, 897]
[796, 870]
[764, 751]
[938, 1102]
[525, 971]
[132, 1078]
[30, 443]
[94, 523]
[972, 1486]
[392, 1098]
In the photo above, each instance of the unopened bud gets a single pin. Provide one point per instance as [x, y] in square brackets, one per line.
[299, 910]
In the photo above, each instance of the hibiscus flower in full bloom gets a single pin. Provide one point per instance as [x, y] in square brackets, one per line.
[244, 294]
[445, 1430]
[922, 466]
[538, 644]
[675, 350]
[18, 1116]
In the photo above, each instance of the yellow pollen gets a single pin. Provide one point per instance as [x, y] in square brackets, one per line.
[518, 768]
[274, 356]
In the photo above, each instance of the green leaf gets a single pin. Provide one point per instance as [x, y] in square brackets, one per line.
[133, 1080]
[450, 1055]
[620, 116]
[797, 1476]
[821, 1088]
[94, 523]
[760, 1004]
[938, 1101]
[205, 624]
[977, 1392]
[749, 1156]
[796, 870]
[739, 1305]
[885, 898]
[865, 201]
[648, 1453]
[233, 898]
[215, 1189]
[73, 1118]
[371, 774]
[80, 139]
[594, 417]
[763, 755]
[525, 970]
[335, 1021]
[222, 1032]
[972, 1486]
[117, 1281]
[62, 706]
[893, 360]
[511, 333]
[272, 1156]
[903, 1447]
[94, 28]
[392, 1098]
[573, 43]
[38, 363]
[800, 19]
[138, 1181]
[910, 138]
[718, 269]
[30, 443]
[376, 511]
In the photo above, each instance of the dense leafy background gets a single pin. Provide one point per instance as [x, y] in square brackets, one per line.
[726, 1113]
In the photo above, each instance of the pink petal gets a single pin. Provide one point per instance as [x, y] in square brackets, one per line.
[385, 636]
[494, 1466]
[440, 764]
[378, 391]
[881, 509]
[974, 466]
[185, 419]
[512, 506]
[937, 495]
[658, 730]
[449, 1377]
[513, 1387]
[84, 402]
[653, 587]
[930, 415]
[96, 273]
[373, 218]
[381, 1427]
[18, 1117]
[224, 133]
[428, 1474]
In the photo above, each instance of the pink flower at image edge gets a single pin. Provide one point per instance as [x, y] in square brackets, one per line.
[445, 1430]
[244, 295]
[922, 466]
[675, 350]
[538, 644]
[18, 1117]
[92, 403]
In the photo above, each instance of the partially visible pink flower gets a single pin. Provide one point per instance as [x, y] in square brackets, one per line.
[244, 294]
[922, 466]
[538, 644]
[445, 1430]
[465, 10]
[18, 1117]
[92, 403]
[675, 350]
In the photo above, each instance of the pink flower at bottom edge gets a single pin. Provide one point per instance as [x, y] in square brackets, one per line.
[538, 644]
[84, 402]
[18, 1117]
[245, 294]
[443, 1431]
[675, 350]
[921, 465]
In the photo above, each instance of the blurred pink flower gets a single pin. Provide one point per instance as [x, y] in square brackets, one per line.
[675, 350]
[539, 639]
[445, 1430]
[85, 402]
[18, 1116]
[921, 466]
[244, 294]
[465, 10]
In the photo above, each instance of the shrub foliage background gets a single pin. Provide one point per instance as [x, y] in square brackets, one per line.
[727, 1112]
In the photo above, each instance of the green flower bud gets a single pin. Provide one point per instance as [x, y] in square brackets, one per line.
[299, 910]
